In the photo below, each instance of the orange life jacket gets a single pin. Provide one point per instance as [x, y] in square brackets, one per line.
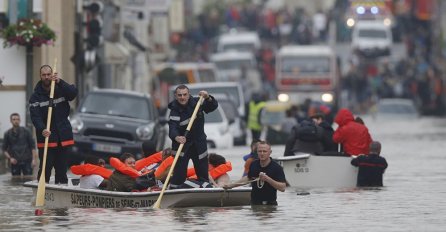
[247, 165]
[164, 166]
[121, 167]
[90, 169]
[214, 172]
[155, 158]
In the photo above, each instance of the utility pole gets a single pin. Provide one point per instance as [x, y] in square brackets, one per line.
[78, 46]
[29, 69]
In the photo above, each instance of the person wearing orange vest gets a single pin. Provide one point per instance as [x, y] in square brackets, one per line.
[93, 173]
[164, 166]
[218, 169]
[126, 178]
[249, 158]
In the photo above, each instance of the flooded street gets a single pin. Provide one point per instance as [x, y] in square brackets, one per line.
[413, 199]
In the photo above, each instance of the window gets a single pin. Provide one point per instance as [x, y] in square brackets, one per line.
[116, 104]
[305, 65]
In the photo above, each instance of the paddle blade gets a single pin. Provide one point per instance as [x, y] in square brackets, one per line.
[40, 197]
[157, 204]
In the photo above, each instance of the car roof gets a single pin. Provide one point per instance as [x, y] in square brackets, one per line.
[210, 84]
[277, 106]
[229, 55]
[238, 37]
[309, 50]
[372, 24]
[121, 91]
[402, 101]
[184, 66]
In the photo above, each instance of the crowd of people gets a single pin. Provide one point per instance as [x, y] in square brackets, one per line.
[419, 75]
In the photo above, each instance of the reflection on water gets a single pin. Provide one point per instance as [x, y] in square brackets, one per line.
[413, 198]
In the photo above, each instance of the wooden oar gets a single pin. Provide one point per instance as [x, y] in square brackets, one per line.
[180, 148]
[40, 197]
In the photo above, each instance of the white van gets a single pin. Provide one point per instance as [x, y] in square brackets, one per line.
[230, 63]
[239, 41]
[372, 38]
[229, 68]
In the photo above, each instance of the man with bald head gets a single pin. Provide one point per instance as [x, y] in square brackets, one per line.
[371, 167]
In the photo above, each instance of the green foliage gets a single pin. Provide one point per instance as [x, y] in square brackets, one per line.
[28, 32]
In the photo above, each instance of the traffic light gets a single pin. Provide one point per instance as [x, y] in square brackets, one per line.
[94, 24]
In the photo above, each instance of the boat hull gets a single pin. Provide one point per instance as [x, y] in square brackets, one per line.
[311, 171]
[58, 196]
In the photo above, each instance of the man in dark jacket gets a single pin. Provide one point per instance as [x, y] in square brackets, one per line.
[371, 167]
[195, 144]
[60, 134]
[306, 137]
[19, 148]
[327, 136]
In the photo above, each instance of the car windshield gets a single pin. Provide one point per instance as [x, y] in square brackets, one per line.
[230, 91]
[305, 65]
[401, 109]
[233, 64]
[206, 75]
[272, 117]
[244, 47]
[213, 117]
[372, 33]
[229, 109]
[118, 105]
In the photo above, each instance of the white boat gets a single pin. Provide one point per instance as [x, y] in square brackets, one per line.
[62, 196]
[313, 171]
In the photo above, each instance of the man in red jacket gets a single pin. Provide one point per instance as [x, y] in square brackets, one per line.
[353, 136]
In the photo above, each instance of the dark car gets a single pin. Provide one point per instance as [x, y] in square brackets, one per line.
[110, 122]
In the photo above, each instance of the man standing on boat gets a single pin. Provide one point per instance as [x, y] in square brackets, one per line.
[195, 144]
[269, 175]
[60, 133]
[371, 167]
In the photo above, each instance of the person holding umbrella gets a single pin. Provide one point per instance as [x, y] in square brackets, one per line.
[60, 135]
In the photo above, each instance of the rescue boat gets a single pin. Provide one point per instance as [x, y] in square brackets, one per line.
[304, 170]
[71, 195]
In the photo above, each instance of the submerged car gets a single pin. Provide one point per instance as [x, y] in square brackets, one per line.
[110, 122]
[398, 108]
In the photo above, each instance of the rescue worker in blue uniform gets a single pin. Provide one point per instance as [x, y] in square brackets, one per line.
[195, 144]
[60, 133]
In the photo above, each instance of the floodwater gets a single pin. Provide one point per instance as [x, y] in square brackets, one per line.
[413, 199]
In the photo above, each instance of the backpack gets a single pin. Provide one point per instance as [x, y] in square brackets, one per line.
[307, 131]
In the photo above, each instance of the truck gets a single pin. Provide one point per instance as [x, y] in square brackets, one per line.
[307, 72]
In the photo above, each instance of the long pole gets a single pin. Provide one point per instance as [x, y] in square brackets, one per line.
[180, 148]
[40, 197]
[29, 68]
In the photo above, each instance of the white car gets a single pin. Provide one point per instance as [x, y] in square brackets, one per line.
[239, 41]
[216, 127]
[237, 124]
[229, 64]
[396, 108]
[372, 38]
